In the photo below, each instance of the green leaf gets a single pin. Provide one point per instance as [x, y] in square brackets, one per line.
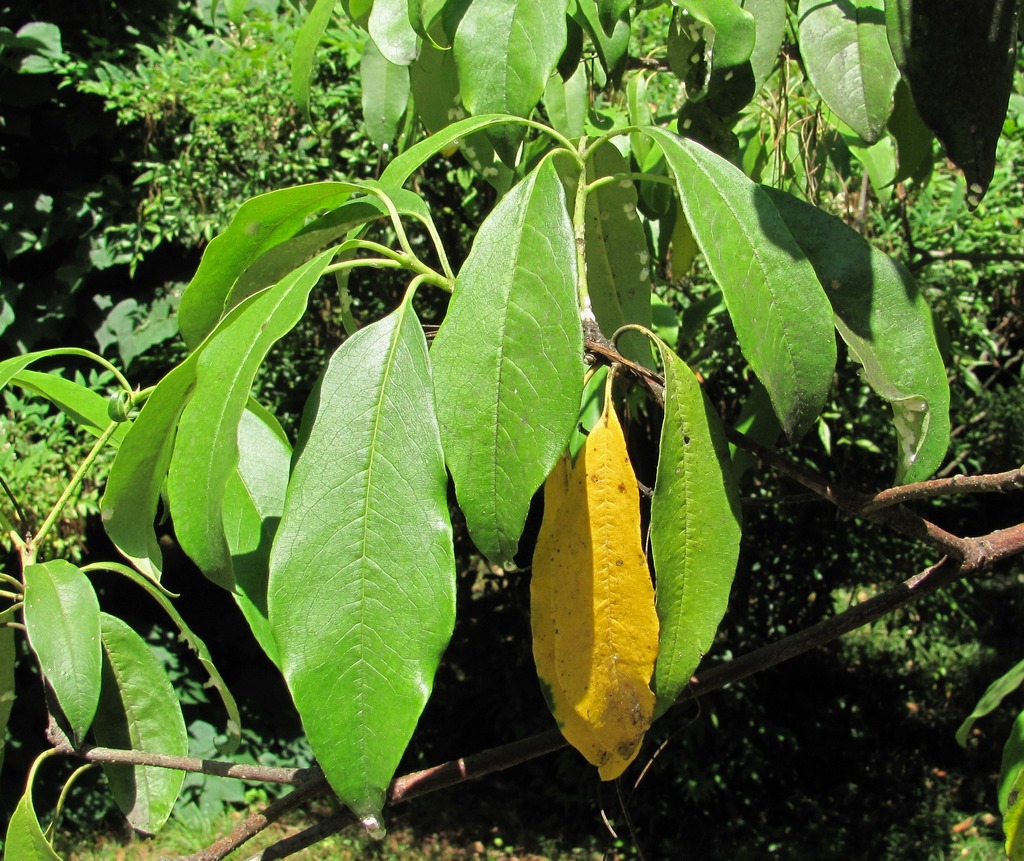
[62, 617]
[913, 138]
[392, 32]
[132, 494]
[567, 102]
[259, 225]
[695, 529]
[25, 840]
[397, 173]
[7, 695]
[959, 63]
[508, 361]
[385, 95]
[139, 710]
[505, 53]
[362, 574]
[305, 48]
[1011, 790]
[994, 694]
[12, 367]
[81, 404]
[846, 53]
[253, 504]
[206, 446]
[782, 318]
[885, 321]
[722, 35]
[618, 263]
[770, 30]
[612, 47]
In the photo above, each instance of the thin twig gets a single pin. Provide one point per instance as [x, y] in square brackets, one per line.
[1001, 482]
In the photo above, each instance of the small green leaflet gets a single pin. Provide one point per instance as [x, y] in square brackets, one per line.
[305, 48]
[139, 710]
[994, 694]
[846, 52]
[884, 319]
[695, 529]
[508, 361]
[62, 616]
[1011, 790]
[782, 317]
[206, 446]
[362, 571]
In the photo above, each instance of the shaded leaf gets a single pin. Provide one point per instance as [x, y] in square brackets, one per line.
[362, 575]
[618, 263]
[595, 629]
[770, 30]
[695, 529]
[782, 318]
[959, 63]
[886, 323]
[139, 710]
[612, 44]
[206, 446]
[62, 617]
[253, 504]
[7, 690]
[385, 95]
[508, 361]
[846, 52]
[1011, 790]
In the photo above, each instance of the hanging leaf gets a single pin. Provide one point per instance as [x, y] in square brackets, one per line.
[25, 839]
[505, 53]
[508, 361]
[782, 318]
[846, 53]
[362, 575]
[695, 529]
[959, 62]
[618, 263]
[385, 95]
[595, 629]
[253, 503]
[567, 101]
[885, 321]
[612, 44]
[305, 49]
[770, 31]
[136, 478]
[392, 32]
[994, 695]
[62, 617]
[206, 445]
[139, 710]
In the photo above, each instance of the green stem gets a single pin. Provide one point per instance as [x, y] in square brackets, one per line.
[59, 809]
[10, 596]
[639, 177]
[12, 581]
[4, 522]
[72, 486]
[579, 226]
[88, 354]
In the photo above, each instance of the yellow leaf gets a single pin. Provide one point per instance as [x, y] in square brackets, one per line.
[595, 629]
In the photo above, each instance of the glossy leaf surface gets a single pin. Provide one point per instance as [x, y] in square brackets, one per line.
[62, 616]
[362, 576]
[139, 710]
[206, 446]
[25, 839]
[391, 31]
[782, 318]
[508, 361]
[884, 320]
[595, 629]
[695, 529]
[846, 52]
